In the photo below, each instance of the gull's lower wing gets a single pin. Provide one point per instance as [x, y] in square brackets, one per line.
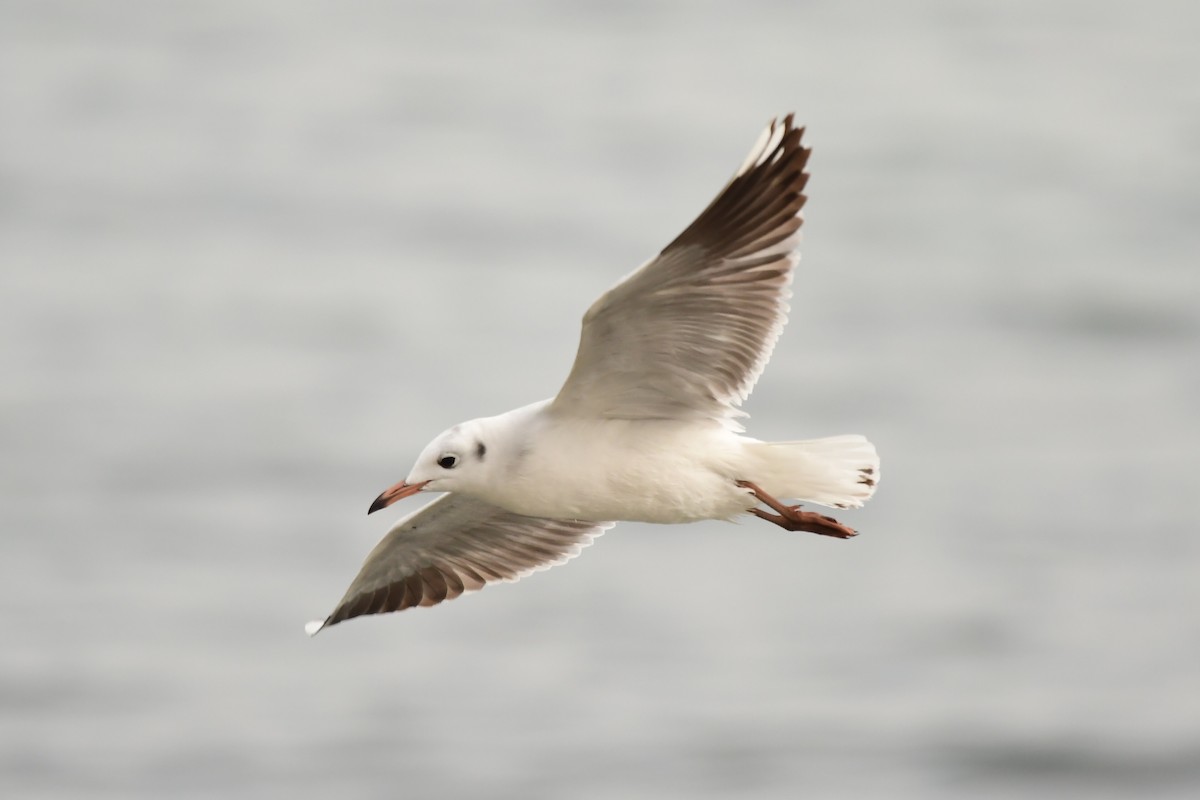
[687, 334]
[454, 545]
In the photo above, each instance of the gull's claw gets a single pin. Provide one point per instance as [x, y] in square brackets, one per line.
[792, 518]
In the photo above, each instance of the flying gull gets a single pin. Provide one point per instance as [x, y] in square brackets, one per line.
[645, 427]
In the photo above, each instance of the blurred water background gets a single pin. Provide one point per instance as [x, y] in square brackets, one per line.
[254, 255]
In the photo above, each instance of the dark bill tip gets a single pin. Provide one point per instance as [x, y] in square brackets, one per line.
[380, 502]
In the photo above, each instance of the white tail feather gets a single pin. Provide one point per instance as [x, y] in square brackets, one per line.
[839, 471]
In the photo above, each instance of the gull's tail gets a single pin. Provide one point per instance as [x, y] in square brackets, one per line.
[839, 472]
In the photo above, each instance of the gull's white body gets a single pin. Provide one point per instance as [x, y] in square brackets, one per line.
[654, 470]
[683, 471]
[644, 428]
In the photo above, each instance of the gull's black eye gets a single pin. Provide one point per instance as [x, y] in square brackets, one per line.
[448, 461]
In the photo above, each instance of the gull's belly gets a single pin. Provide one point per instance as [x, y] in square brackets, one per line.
[648, 471]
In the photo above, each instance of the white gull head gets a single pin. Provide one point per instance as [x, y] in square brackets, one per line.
[455, 461]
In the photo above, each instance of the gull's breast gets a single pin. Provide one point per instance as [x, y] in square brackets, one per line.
[638, 470]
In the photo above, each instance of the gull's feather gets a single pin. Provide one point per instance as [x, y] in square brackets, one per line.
[454, 545]
[687, 335]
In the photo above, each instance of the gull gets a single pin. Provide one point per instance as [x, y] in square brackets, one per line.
[645, 427]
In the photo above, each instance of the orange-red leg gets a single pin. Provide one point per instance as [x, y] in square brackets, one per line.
[793, 519]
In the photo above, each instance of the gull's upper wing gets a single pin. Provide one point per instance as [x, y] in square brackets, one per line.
[453, 545]
[688, 333]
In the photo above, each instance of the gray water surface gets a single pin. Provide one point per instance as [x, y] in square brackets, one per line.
[254, 255]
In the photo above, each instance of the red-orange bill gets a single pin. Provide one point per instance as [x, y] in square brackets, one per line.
[398, 492]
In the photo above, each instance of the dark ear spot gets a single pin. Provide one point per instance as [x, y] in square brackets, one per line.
[480, 450]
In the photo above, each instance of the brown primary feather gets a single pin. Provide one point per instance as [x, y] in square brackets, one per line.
[456, 545]
[687, 334]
